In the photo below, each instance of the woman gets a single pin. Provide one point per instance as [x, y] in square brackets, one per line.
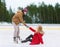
[37, 37]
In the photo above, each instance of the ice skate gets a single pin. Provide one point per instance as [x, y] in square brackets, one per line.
[23, 41]
[15, 39]
[18, 37]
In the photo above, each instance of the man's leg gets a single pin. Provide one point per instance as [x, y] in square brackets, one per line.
[16, 32]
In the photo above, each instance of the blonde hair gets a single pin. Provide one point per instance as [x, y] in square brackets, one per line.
[39, 28]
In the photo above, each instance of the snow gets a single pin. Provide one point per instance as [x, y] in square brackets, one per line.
[51, 37]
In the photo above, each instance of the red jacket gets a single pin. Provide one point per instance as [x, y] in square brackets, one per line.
[37, 37]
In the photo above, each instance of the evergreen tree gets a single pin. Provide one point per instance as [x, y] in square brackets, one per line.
[57, 12]
[4, 14]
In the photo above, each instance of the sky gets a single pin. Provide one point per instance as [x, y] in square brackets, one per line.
[14, 4]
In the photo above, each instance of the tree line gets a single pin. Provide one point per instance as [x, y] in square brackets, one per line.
[36, 14]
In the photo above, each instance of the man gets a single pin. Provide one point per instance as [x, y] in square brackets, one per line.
[16, 19]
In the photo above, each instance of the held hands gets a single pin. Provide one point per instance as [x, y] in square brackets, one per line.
[24, 22]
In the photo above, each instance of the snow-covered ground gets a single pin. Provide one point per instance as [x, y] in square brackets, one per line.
[51, 37]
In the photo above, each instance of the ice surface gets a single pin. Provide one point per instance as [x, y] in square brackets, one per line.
[51, 37]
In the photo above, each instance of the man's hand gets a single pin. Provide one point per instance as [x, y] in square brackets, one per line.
[24, 22]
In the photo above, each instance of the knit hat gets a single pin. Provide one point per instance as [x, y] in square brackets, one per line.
[25, 10]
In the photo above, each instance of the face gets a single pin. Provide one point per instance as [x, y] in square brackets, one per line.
[25, 13]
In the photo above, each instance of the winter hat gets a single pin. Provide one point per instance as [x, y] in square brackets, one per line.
[25, 10]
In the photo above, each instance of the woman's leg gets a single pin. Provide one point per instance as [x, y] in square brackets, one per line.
[29, 38]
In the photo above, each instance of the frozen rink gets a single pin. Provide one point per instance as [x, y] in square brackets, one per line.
[51, 37]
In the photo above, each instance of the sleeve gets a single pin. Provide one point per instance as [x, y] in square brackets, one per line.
[30, 28]
[20, 17]
[41, 39]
